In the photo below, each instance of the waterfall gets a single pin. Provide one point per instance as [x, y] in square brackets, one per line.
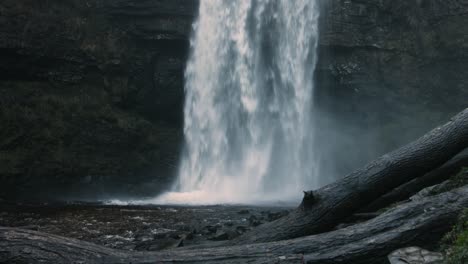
[248, 107]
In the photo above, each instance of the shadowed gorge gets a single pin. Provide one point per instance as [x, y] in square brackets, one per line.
[94, 107]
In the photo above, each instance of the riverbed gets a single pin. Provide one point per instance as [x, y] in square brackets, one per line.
[139, 227]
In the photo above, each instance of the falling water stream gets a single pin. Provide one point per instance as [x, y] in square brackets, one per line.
[248, 107]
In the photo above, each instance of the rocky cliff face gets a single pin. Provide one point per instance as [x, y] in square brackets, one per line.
[91, 92]
[388, 71]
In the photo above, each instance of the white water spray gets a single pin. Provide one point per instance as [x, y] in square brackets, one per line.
[248, 106]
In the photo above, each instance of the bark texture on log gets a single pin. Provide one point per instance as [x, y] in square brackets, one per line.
[418, 223]
[335, 202]
[410, 188]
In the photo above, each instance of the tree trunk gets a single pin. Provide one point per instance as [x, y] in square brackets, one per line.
[418, 223]
[323, 209]
[410, 188]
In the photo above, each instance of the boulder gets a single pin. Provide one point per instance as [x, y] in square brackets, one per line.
[415, 255]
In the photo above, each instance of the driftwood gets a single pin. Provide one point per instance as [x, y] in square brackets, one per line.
[408, 189]
[323, 209]
[419, 223]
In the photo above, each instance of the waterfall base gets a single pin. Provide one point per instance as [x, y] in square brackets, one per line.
[214, 198]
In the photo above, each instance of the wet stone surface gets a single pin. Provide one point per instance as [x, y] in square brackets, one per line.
[140, 228]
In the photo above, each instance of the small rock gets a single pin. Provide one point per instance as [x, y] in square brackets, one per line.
[182, 226]
[277, 215]
[143, 237]
[254, 221]
[241, 229]
[181, 243]
[189, 236]
[175, 236]
[229, 223]
[159, 244]
[30, 227]
[160, 235]
[233, 233]
[210, 229]
[415, 255]
[220, 236]
[128, 247]
[422, 194]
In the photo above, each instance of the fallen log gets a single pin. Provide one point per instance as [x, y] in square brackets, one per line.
[324, 208]
[410, 188]
[419, 223]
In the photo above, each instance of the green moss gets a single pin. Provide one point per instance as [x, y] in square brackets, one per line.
[455, 243]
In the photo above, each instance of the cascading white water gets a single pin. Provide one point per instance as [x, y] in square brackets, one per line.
[248, 107]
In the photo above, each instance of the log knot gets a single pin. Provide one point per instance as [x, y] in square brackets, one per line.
[308, 200]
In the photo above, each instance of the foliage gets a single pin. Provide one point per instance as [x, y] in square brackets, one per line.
[455, 243]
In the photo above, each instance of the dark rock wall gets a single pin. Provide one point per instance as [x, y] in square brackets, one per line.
[388, 72]
[91, 95]
[91, 92]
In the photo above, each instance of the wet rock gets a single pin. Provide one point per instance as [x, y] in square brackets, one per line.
[229, 223]
[160, 236]
[128, 247]
[423, 193]
[144, 237]
[241, 229]
[244, 212]
[254, 221]
[276, 215]
[233, 233]
[228, 234]
[175, 236]
[220, 236]
[30, 227]
[182, 226]
[121, 227]
[159, 244]
[162, 232]
[189, 236]
[415, 255]
[210, 229]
